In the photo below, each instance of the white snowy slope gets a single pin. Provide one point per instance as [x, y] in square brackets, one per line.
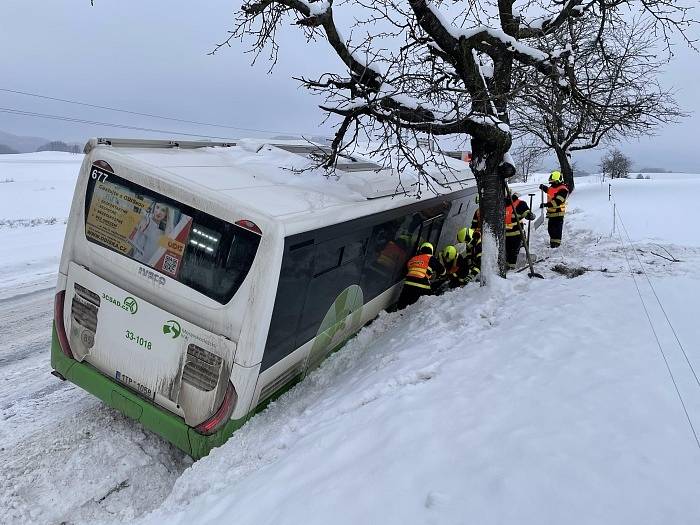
[530, 401]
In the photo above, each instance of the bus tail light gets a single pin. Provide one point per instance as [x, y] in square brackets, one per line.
[60, 327]
[222, 415]
[249, 225]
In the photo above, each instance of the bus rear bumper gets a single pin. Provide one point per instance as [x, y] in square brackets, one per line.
[169, 426]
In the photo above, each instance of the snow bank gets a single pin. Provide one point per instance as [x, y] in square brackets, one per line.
[530, 401]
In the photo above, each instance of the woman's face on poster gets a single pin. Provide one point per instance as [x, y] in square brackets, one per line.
[160, 212]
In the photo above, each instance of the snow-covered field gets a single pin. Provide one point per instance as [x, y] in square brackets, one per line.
[33, 207]
[529, 401]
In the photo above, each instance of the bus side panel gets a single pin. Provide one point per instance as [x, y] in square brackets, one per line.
[257, 308]
[459, 216]
[74, 227]
[325, 290]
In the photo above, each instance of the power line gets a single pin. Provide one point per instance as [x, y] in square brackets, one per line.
[129, 112]
[651, 324]
[658, 342]
[675, 334]
[12, 111]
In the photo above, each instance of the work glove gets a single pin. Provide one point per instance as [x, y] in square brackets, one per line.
[543, 187]
[530, 216]
[543, 205]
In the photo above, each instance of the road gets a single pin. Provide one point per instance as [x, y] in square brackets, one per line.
[64, 456]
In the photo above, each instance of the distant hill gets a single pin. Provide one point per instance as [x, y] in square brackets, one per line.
[653, 170]
[57, 145]
[6, 149]
[21, 144]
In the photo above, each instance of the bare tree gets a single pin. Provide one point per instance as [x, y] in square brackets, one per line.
[527, 157]
[416, 68]
[616, 95]
[615, 165]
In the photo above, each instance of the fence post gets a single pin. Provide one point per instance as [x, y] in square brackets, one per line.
[614, 217]
[529, 222]
[609, 191]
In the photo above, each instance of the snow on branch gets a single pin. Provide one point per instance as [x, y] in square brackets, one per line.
[545, 25]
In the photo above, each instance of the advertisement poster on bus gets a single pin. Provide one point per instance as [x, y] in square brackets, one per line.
[151, 232]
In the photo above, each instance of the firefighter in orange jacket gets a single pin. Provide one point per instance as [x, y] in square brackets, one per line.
[422, 269]
[516, 211]
[557, 193]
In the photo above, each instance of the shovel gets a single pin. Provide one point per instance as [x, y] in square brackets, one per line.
[525, 242]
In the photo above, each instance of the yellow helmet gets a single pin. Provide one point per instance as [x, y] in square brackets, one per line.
[462, 235]
[449, 253]
[427, 246]
[555, 176]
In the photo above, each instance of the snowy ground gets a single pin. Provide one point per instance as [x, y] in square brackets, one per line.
[526, 402]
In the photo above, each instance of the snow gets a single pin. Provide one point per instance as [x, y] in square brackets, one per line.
[512, 43]
[528, 401]
[33, 211]
[318, 8]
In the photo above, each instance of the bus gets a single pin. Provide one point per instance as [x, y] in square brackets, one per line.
[200, 280]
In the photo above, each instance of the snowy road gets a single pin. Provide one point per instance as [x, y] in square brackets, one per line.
[64, 456]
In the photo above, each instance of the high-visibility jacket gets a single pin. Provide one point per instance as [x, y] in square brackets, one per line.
[556, 200]
[392, 256]
[516, 212]
[421, 269]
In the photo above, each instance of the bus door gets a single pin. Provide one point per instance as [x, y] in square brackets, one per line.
[431, 230]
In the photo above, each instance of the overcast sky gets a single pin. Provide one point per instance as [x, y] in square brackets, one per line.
[151, 57]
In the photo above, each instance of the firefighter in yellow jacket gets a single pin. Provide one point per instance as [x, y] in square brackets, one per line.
[557, 193]
[422, 270]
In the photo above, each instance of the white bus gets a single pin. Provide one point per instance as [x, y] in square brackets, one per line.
[198, 280]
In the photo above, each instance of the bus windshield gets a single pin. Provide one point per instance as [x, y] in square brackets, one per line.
[201, 251]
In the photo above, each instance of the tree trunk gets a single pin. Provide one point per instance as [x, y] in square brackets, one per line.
[565, 168]
[486, 157]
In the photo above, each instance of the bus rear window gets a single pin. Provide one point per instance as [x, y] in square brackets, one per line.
[207, 254]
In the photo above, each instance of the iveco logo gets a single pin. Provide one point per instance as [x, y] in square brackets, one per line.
[151, 275]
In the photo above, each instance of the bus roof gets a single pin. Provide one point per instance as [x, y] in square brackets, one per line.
[274, 178]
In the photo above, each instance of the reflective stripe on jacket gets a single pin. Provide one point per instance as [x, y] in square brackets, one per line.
[511, 222]
[419, 270]
[556, 200]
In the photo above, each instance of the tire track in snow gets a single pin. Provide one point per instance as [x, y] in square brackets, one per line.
[65, 456]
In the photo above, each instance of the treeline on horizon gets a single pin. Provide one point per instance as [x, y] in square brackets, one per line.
[54, 145]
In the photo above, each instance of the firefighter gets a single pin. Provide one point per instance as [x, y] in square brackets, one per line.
[422, 270]
[476, 218]
[470, 264]
[516, 211]
[450, 260]
[557, 193]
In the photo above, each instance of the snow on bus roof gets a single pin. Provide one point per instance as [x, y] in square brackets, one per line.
[266, 176]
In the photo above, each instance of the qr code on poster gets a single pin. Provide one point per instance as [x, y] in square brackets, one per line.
[170, 264]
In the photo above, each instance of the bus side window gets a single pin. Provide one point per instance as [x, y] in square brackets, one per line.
[391, 245]
[435, 230]
[327, 258]
[295, 275]
[325, 287]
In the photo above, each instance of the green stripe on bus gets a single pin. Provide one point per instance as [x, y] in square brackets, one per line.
[163, 423]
